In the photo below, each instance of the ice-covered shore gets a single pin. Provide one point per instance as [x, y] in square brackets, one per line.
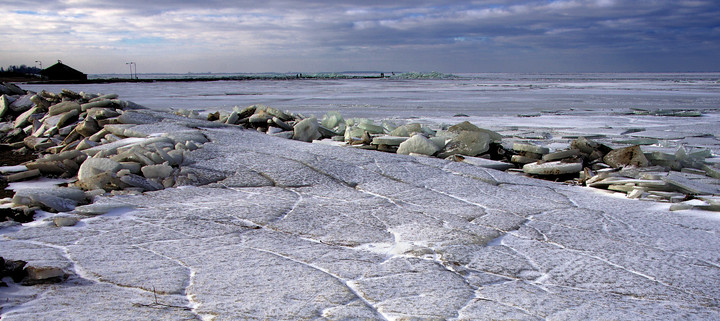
[281, 229]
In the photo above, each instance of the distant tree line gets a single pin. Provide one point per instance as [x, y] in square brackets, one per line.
[22, 69]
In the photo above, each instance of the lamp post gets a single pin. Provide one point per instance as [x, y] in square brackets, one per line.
[131, 69]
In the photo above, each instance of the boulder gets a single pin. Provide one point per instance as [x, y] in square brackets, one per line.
[43, 275]
[407, 130]
[417, 144]
[332, 119]
[4, 105]
[93, 166]
[141, 182]
[63, 107]
[156, 171]
[371, 128]
[24, 118]
[306, 130]
[632, 155]
[469, 143]
[88, 127]
[21, 104]
[62, 220]
[467, 126]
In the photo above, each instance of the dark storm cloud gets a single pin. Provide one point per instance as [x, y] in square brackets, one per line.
[280, 33]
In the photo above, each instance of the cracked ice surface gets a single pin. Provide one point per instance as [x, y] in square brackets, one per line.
[281, 229]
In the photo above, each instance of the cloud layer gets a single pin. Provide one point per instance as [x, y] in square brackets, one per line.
[99, 36]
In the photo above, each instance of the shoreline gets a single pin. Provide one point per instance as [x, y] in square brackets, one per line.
[33, 81]
[103, 119]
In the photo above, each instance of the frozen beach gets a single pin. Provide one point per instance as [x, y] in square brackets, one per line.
[271, 228]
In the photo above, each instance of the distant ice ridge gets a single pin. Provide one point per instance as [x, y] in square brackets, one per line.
[424, 75]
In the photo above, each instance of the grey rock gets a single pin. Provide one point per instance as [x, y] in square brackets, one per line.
[407, 130]
[61, 221]
[467, 126]
[88, 127]
[691, 187]
[43, 275]
[156, 171]
[522, 159]
[417, 144]
[487, 163]
[93, 166]
[64, 107]
[61, 199]
[67, 118]
[141, 182]
[5, 105]
[520, 147]
[469, 143]
[626, 156]
[370, 128]
[306, 130]
[22, 104]
[552, 168]
[389, 140]
[561, 155]
[11, 89]
[283, 125]
[137, 118]
[332, 119]
[24, 118]
[102, 113]
[21, 176]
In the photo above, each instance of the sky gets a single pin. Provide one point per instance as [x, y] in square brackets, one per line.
[180, 36]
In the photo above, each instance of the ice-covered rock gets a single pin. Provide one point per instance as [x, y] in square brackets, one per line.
[561, 155]
[306, 130]
[467, 126]
[407, 130]
[62, 220]
[469, 143]
[552, 168]
[22, 104]
[332, 119]
[389, 140]
[521, 147]
[417, 144]
[59, 199]
[64, 107]
[157, 171]
[93, 166]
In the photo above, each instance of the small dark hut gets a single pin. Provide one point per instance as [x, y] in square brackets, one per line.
[60, 71]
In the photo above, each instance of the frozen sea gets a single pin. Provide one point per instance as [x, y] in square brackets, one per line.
[479, 94]
[277, 229]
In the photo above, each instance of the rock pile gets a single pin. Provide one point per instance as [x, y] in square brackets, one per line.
[91, 139]
[650, 176]
[88, 139]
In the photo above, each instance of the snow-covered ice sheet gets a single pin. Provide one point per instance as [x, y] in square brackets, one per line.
[280, 229]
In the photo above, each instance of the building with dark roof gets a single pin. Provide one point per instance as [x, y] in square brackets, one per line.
[60, 71]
